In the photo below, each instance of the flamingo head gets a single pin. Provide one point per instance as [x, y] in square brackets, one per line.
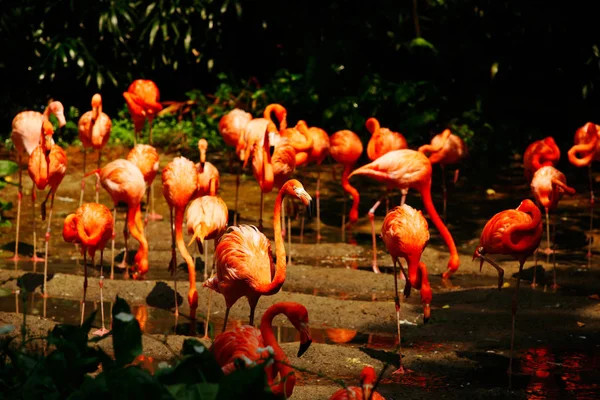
[58, 110]
[367, 378]
[301, 126]
[140, 266]
[298, 316]
[372, 125]
[479, 252]
[294, 188]
[70, 228]
[96, 101]
[202, 147]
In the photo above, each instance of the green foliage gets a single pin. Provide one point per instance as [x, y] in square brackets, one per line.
[7, 168]
[75, 368]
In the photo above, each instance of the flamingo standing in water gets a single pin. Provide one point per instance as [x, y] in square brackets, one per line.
[548, 186]
[206, 219]
[540, 154]
[142, 98]
[405, 233]
[516, 233]
[582, 154]
[94, 131]
[445, 149]
[180, 184]
[320, 149]
[244, 261]
[91, 226]
[346, 148]
[125, 184]
[406, 169]
[232, 127]
[250, 345]
[145, 157]
[47, 167]
[27, 128]
[365, 392]
[208, 174]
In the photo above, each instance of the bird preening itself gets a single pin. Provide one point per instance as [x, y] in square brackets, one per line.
[142, 98]
[516, 233]
[539, 154]
[253, 345]
[244, 261]
[366, 390]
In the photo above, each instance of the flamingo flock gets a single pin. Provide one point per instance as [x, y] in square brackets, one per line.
[243, 259]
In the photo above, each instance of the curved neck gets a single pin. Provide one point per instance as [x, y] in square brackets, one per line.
[587, 149]
[372, 125]
[307, 145]
[351, 190]
[87, 240]
[280, 114]
[437, 221]
[280, 265]
[526, 241]
[429, 148]
[266, 174]
[287, 377]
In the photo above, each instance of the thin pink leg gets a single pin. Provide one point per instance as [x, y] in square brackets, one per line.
[19, 199]
[372, 219]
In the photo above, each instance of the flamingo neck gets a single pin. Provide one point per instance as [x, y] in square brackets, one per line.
[287, 377]
[587, 149]
[527, 242]
[87, 240]
[351, 190]
[181, 244]
[280, 265]
[134, 220]
[266, 176]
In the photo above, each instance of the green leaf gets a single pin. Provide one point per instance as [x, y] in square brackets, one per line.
[198, 391]
[150, 8]
[127, 336]
[420, 42]
[153, 32]
[8, 167]
[188, 39]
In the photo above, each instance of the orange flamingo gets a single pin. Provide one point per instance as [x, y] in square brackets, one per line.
[232, 127]
[516, 233]
[346, 148]
[142, 98]
[47, 168]
[145, 157]
[94, 131]
[588, 146]
[271, 170]
[280, 114]
[446, 149]
[539, 154]
[548, 186]
[206, 219]
[244, 261]
[365, 392]
[301, 140]
[406, 169]
[319, 150]
[405, 233]
[180, 184]
[27, 130]
[91, 226]
[124, 183]
[208, 174]
[252, 345]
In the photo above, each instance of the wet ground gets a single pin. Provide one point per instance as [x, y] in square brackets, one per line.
[462, 351]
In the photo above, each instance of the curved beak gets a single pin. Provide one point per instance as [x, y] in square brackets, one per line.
[61, 119]
[304, 196]
[305, 340]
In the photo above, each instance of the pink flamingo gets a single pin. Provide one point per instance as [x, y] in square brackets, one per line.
[142, 98]
[364, 392]
[146, 158]
[208, 174]
[539, 154]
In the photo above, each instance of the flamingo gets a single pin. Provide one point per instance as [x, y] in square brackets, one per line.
[145, 157]
[252, 345]
[516, 233]
[346, 148]
[446, 148]
[364, 392]
[232, 126]
[588, 145]
[271, 170]
[91, 226]
[142, 98]
[280, 114]
[406, 169]
[206, 219]
[124, 183]
[319, 150]
[539, 154]
[94, 131]
[47, 168]
[27, 129]
[301, 140]
[244, 261]
[208, 174]
[180, 183]
[548, 186]
[405, 233]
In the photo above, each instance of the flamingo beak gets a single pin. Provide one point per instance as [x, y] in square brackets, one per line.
[303, 195]
[426, 313]
[61, 119]
[305, 340]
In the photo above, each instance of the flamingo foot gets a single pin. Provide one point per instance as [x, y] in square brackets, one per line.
[155, 217]
[533, 285]
[35, 258]
[44, 295]
[400, 372]
[100, 332]
[547, 251]
[447, 283]
[555, 286]
[376, 269]
[14, 258]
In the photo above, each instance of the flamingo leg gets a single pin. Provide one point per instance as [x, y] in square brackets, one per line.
[318, 196]
[19, 198]
[237, 193]
[35, 257]
[205, 260]
[147, 206]
[400, 370]
[554, 285]
[226, 317]
[173, 262]
[514, 314]
[150, 205]
[533, 283]
[85, 283]
[102, 331]
[150, 131]
[289, 239]
[548, 250]
[372, 219]
[493, 264]
[210, 292]
[262, 206]
[301, 226]
[112, 258]
[83, 179]
[343, 219]
[47, 239]
[387, 200]
[404, 192]
[407, 284]
[124, 263]
[252, 301]
[444, 191]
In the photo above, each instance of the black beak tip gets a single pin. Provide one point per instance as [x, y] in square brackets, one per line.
[303, 347]
[425, 320]
[271, 150]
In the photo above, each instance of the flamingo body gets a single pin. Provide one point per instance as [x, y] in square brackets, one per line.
[94, 126]
[346, 148]
[548, 186]
[90, 226]
[232, 126]
[364, 392]
[145, 157]
[446, 148]
[207, 217]
[383, 140]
